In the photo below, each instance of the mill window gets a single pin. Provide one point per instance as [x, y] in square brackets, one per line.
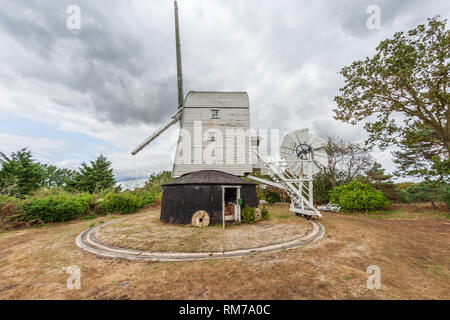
[214, 114]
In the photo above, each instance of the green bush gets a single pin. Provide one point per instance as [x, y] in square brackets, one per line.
[248, 215]
[272, 197]
[46, 192]
[4, 199]
[265, 213]
[57, 205]
[271, 194]
[10, 211]
[357, 196]
[55, 208]
[121, 202]
[147, 197]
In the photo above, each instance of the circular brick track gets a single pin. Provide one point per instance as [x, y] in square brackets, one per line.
[88, 241]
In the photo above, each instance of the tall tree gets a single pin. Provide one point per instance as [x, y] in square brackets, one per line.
[94, 177]
[20, 174]
[376, 174]
[377, 177]
[346, 160]
[57, 177]
[402, 95]
[156, 180]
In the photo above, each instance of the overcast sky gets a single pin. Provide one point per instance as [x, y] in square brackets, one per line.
[70, 95]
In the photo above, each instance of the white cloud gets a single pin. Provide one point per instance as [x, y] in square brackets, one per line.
[114, 80]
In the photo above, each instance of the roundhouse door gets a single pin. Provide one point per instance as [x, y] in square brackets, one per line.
[230, 200]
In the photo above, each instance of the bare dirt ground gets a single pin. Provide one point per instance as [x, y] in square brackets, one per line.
[146, 232]
[410, 244]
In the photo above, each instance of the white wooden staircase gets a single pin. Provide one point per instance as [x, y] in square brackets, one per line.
[299, 189]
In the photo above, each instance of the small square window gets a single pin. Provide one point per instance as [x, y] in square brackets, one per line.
[214, 114]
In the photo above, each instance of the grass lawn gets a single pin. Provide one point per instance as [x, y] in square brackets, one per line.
[145, 231]
[410, 244]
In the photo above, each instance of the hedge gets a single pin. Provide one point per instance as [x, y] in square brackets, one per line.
[55, 208]
[122, 202]
[59, 206]
[357, 196]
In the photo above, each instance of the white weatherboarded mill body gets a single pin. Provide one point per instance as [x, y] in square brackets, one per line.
[214, 134]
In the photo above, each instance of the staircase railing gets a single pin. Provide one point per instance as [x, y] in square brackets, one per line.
[293, 185]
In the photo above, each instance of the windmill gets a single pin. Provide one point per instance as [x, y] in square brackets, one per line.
[214, 141]
[214, 128]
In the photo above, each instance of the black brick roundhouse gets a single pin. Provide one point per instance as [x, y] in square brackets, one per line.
[202, 190]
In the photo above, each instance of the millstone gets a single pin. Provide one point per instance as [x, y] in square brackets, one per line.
[200, 219]
[258, 214]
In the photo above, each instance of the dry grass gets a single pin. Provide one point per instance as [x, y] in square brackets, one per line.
[146, 232]
[412, 249]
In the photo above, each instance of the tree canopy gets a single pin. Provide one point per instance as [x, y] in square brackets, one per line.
[95, 176]
[56, 177]
[20, 174]
[402, 95]
[346, 160]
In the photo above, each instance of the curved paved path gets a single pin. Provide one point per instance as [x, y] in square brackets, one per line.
[88, 241]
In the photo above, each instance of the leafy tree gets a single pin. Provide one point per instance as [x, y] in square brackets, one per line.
[419, 154]
[322, 186]
[427, 191]
[378, 179]
[156, 180]
[20, 174]
[376, 174]
[346, 160]
[94, 177]
[402, 95]
[56, 177]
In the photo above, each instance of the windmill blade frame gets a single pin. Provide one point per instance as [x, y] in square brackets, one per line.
[177, 116]
[174, 119]
[310, 157]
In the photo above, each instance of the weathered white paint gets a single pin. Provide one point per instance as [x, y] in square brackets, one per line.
[197, 123]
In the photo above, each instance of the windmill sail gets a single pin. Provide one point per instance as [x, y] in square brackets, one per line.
[179, 64]
[177, 116]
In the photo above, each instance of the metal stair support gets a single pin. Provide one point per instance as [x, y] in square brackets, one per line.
[285, 179]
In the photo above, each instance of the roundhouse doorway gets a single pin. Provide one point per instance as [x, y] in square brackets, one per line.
[231, 208]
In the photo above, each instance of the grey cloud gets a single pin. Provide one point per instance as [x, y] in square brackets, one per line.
[120, 67]
[127, 70]
[125, 75]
